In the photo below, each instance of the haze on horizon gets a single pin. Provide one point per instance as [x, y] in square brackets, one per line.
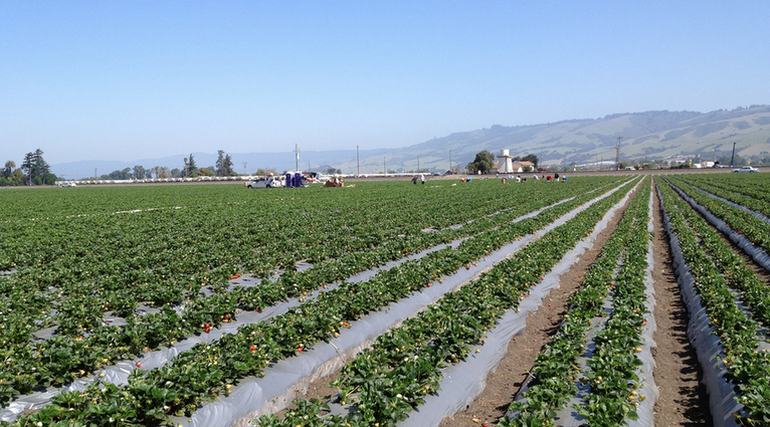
[129, 80]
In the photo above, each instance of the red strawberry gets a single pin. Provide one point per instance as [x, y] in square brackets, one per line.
[138, 364]
[253, 348]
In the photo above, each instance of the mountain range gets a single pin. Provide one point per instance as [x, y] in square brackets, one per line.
[649, 135]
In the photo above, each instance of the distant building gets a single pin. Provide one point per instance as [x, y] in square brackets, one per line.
[506, 164]
[505, 161]
[522, 166]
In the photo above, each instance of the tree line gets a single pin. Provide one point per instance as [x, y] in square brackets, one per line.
[34, 170]
[189, 169]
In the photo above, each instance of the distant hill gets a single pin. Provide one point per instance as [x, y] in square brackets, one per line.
[649, 135]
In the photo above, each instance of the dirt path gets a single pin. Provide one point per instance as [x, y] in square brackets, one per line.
[682, 400]
[523, 349]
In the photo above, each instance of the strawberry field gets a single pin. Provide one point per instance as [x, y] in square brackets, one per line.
[381, 304]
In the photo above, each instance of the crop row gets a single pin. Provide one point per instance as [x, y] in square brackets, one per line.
[754, 293]
[113, 264]
[210, 369]
[62, 358]
[715, 187]
[741, 221]
[751, 186]
[555, 373]
[387, 381]
[614, 366]
[747, 368]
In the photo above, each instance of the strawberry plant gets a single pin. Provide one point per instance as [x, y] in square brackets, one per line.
[555, 373]
[203, 371]
[387, 381]
[748, 368]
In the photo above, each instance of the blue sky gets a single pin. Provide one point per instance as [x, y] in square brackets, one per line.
[135, 79]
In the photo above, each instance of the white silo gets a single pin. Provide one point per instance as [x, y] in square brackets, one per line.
[505, 162]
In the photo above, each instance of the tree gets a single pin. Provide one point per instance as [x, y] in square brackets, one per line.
[484, 162]
[139, 172]
[10, 165]
[36, 169]
[224, 166]
[190, 168]
[531, 158]
[40, 166]
[229, 166]
[207, 171]
[162, 172]
[332, 171]
[176, 173]
[27, 166]
[121, 174]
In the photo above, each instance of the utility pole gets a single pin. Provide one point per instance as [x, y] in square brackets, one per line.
[384, 166]
[246, 171]
[418, 164]
[296, 157]
[617, 154]
[95, 175]
[358, 163]
[732, 159]
[450, 161]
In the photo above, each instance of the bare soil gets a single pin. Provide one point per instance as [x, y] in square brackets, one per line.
[683, 400]
[503, 383]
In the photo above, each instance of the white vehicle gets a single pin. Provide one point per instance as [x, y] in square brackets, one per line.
[269, 182]
[67, 184]
[746, 169]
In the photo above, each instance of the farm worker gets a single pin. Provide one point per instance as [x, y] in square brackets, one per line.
[422, 178]
[414, 180]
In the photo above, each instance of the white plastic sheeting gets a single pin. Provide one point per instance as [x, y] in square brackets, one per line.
[756, 253]
[722, 397]
[463, 382]
[120, 371]
[648, 389]
[757, 215]
[568, 416]
[287, 378]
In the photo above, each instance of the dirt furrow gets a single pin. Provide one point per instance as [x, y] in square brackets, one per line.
[682, 400]
[510, 374]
